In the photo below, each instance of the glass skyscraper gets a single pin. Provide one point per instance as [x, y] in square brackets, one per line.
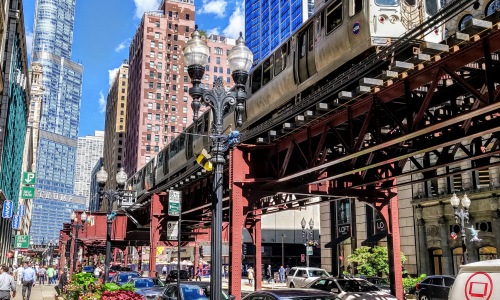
[62, 83]
[269, 23]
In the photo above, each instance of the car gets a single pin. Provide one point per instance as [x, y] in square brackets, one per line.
[434, 287]
[290, 294]
[149, 288]
[172, 276]
[382, 283]
[301, 276]
[122, 277]
[350, 289]
[478, 280]
[190, 291]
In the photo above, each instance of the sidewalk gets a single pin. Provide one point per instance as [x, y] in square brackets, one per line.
[38, 292]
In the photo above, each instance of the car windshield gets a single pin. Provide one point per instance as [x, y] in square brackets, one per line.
[143, 283]
[125, 277]
[356, 286]
[318, 273]
[192, 292]
[206, 290]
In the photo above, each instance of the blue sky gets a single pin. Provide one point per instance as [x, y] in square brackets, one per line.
[103, 31]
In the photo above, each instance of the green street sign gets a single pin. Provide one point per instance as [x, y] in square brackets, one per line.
[174, 203]
[27, 192]
[309, 250]
[29, 178]
[22, 242]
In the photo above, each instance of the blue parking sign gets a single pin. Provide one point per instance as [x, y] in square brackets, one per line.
[16, 222]
[8, 208]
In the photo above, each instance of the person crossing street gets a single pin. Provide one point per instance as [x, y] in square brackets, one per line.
[7, 284]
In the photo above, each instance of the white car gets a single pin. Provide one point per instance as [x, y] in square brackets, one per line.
[299, 277]
[350, 289]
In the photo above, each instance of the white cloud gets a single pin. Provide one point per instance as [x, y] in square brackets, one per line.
[216, 7]
[122, 45]
[102, 103]
[112, 75]
[29, 42]
[215, 31]
[142, 6]
[236, 22]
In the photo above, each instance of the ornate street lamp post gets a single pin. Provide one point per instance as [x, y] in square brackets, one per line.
[308, 236]
[78, 227]
[196, 54]
[461, 214]
[112, 196]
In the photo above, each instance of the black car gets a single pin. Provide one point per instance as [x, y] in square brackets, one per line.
[172, 276]
[191, 291]
[382, 283]
[289, 294]
[434, 287]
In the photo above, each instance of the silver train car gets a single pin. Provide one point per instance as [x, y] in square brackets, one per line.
[339, 32]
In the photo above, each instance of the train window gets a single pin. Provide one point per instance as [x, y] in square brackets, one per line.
[267, 73]
[310, 33]
[160, 159]
[333, 16]
[432, 7]
[387, 2]
[256, 79]
[303, 42]
[280, 59]
[411, 2]
[463, 21]
[356, 7]
[493, 6]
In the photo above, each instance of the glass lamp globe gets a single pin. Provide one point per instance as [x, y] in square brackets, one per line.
[311, 224]
[102, 176]
[466, 201]
[455, 201]
[303, 223]
[72, 216]
[195, 51]
[84, 217]
[240, 57]
[121, 177]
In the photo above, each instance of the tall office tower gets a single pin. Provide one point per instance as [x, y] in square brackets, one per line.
[95, 197]
[14, 102]
[269, 23]
[158, 105]
[116, 109]
[62, 83]
[32, 134]
[89, 151]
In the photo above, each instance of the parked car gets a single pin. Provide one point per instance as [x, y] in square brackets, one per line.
[172, 276]
[479, 280]
[301, 276]
[382, 283]
[149, 288]
[282, 294]
[434, 287]
[121, 278]
[350, 289]
[190, 291]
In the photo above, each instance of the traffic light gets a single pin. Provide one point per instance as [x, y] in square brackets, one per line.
[244, 249]
[201, 251]
[204, 160]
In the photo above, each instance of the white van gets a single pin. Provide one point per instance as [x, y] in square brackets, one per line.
[479, 280]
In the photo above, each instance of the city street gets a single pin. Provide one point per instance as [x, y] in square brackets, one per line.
[39, 292]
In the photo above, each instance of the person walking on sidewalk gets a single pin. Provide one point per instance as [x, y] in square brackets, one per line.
[63, 280]
[20, 271]
[269, 274]
[28, 281]
[7, 284]
[250, 275]
[42, 272]
[282, 274]
[50, 275]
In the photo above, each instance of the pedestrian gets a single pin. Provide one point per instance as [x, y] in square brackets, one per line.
[97, 272]
[198, 274]
[28, 281]
[250, 275]
[164, 271]
[42, 272]
[282, 274]
[50, 275]
[20, 270]
[63, 280]
[7, 284]
[269, 274]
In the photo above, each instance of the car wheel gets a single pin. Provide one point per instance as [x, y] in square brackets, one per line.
[424, 297]
[292, 285]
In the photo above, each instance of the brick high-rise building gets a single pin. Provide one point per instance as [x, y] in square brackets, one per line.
[116, 110]
[159, 105]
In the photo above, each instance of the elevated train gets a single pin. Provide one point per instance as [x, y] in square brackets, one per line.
[337, 34]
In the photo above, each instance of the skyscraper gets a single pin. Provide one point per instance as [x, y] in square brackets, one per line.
[158, 105]
[88, 153]
[269, 23]
[62, 83]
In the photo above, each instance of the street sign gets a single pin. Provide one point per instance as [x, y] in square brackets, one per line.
[27, 192]
[21, 210]
[29, 178]
[16, 222]
[174, 203]
[172, 230]
[22, 242]
[309, 250]
[8, 208]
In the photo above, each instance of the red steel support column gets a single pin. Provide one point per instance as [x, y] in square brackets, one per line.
[257, 240]
[154, 232]
[237, 170]
[390, 213]
[126, 256]
[196, 257]
[139, 260]
[72, 252]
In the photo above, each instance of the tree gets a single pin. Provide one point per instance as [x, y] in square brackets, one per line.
[371, 261]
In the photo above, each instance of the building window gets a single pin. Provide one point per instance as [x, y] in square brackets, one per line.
[160, 45]
[207, 77]
[173, 108]
[157, 117]
[217, 60]
[187, 16]
[148, 148]
[150, 95]
[157, 23]
[150, 105]
[151, 74]
[158, 106]
[157, 35]
[150, 116]
[149, 126]
[148, 137]
[152, 54]
[184, 109]
[148, 158]
[158, 96]
[153, 44]
[173, 119]
[151, 84]
[187, 29]
[184, 120]
[158, 85]
[185, 98]
[157, 148]
[157, 138]
[160, 65]
[160, 55]
[157, 128]
[186, 79]
[151, 64]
